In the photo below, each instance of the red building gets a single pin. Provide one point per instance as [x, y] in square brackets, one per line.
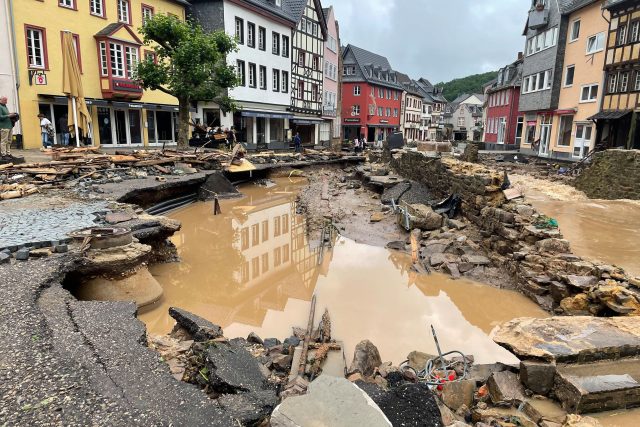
[371, 95]
[503, 123]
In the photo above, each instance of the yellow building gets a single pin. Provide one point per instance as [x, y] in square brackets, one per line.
[108, 45]
[618, 124]
[573, 133]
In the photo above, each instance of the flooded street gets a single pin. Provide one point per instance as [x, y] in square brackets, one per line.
[604, 230]
[252, 270]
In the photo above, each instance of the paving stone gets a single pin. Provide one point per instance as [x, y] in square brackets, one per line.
[22, 254]
[4, 258]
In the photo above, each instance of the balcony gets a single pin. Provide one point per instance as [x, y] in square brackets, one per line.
[538, 18]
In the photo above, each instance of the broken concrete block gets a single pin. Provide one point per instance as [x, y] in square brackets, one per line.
[476, 259]
[199, 328]
[418, 360]
[23, 254]
[581, 282]
[459, 393]
[537, 376]
[4, 258]
[505, 387]
[422, 217]
[61, 249]
[553, 245]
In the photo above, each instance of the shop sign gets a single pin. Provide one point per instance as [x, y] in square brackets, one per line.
[384, 121]
[352, 120]
[126, 86]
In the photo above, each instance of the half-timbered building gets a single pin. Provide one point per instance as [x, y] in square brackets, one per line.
[307, 77]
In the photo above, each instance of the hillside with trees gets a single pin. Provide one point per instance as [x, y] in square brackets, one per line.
[469, 84]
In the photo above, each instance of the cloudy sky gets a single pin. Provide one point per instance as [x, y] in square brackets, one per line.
[439, 40]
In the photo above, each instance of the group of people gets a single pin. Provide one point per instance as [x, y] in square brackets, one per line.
[230, 138]
[7, 122]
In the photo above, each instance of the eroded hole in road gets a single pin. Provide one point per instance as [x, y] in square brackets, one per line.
[252, 269]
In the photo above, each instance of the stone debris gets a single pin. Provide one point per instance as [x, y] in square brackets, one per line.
[199, 328]
[505, 387]
[366, 358]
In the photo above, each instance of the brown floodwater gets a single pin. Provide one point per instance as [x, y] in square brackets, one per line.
[604, 230]
[252, 269]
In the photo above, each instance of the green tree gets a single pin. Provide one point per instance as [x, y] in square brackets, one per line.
[190, 65]
[470, 84]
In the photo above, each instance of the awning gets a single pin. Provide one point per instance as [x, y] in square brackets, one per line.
[266, 114]
[307, 120]
[609, 115]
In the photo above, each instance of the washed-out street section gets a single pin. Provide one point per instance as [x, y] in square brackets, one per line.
[314, 288]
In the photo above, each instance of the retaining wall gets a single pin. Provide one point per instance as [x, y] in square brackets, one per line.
[613, 174]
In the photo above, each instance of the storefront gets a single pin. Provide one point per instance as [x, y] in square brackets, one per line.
[308, 128]
[262, 130]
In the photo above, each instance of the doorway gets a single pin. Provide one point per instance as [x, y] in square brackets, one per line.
[545, 135]
[582, 143]
[127, 127]
[502, 128]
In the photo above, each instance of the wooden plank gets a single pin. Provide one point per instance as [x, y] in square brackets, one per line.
[154, 162]
[246, 166]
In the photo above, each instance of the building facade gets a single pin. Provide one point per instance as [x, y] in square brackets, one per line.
[330, 128]
[464, 117]
[502, 123]
[412, 103]
[263, 63]
[307, 77]
[108, 47]
[371, 95]
[8, 65]
[617, 122]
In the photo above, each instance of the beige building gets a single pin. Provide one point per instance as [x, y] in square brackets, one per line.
[573, 134]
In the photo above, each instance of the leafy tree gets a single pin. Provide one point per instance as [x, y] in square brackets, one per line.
[469, 84]
[190, 65]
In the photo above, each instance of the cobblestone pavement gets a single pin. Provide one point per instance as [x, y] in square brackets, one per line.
[44, 218]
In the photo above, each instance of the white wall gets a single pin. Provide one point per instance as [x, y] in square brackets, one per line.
[7, 62]
[258, 57]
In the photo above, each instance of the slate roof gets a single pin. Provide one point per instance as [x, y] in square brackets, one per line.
[611, 3]
[569, 6]
[367, 61]
[512, 76]
[295, 8]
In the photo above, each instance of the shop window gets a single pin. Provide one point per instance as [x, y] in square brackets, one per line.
[276, 130]
[564, 135]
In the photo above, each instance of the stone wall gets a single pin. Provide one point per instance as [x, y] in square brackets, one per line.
[613, 174]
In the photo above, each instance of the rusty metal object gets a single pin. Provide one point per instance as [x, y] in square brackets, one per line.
[103, 237]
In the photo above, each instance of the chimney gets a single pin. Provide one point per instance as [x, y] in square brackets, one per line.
[520, 56]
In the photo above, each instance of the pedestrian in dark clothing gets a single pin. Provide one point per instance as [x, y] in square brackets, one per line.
[297, 143]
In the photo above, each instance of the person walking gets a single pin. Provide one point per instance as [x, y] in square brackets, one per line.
[63, 124]
[6, 127]
[297, 143]
[45, 130]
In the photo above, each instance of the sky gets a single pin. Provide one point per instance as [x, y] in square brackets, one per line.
[435, 39]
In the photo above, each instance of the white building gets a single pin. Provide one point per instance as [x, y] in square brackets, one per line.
[331, 100]
[263, 31]
[8, 67]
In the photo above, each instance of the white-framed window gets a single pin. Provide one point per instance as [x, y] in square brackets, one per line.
[104, 64]
[276, 80]
[332, 44]
[117, 59]
[251, 34]
[621, 37]
[348, 70]
[537, 82]
[589, 93]
[252, 74]
[263, 77]
[575, 30]
[613, 83]
[395, 112]
[96, 7]
[355, 110]
[124, 11]
[301, 61]
[132, 60]
[285, 46]
[70, 4]
[262, 38]
[624, 81]
[240, 72]
[542, 41]
[380, 93]
[636, 85]
[275, 43]
[147, 13]
[635, 29]
[388, 112]
[380, 111]
[460, 121]
[595, 43]
[568, 75]
[36, 47]
[315, 29]
[356, 90]
[285, 82]
[240, 30]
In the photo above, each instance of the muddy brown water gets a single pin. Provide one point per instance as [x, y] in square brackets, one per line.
[252, 269]
[604, 230]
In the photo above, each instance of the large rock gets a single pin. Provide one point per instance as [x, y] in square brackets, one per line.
[418, 360]
[456, 394]
[537, 376]
[569, 339]
[553, 245]
[365, 358]
[422, 217]
[199, 328]
[330, 401]
[406, 405]
[232, 369]
[217, 184]
[581, 282]
[505, 387]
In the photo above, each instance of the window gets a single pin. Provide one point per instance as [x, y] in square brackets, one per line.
[303, 25]
[315, 29]
[595, 43]
[315, 62]
[537, 82]
[460, 121]
[240, 30]
[263, 77]
[275, 41]
[568, 75]
[332, 44]
[104, 69]
[395, 95]
[70, 4]
[276, 80]
[380, 111]
[613, 83]
[285, 81]
[355, 110]
[356, 90]
[575, 30]
[637, 82]
[300, 93]
[589, 93]
[251, 34]
[150, 56]
[388, 112]
[395, 112]
[96, 7]
[624, 81]
[117, 59]
[348, 70]
[240, 73]
[381, 93]
[132, 60]
[542, 41]
[262, 38]
[147, 13]
[635, 29]
[36, 47]
[388, 94]
[314, 92]
[301, 59]
[285, 46]
[564, 135]
[252, 75]
[622, 34]
[123, 11]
